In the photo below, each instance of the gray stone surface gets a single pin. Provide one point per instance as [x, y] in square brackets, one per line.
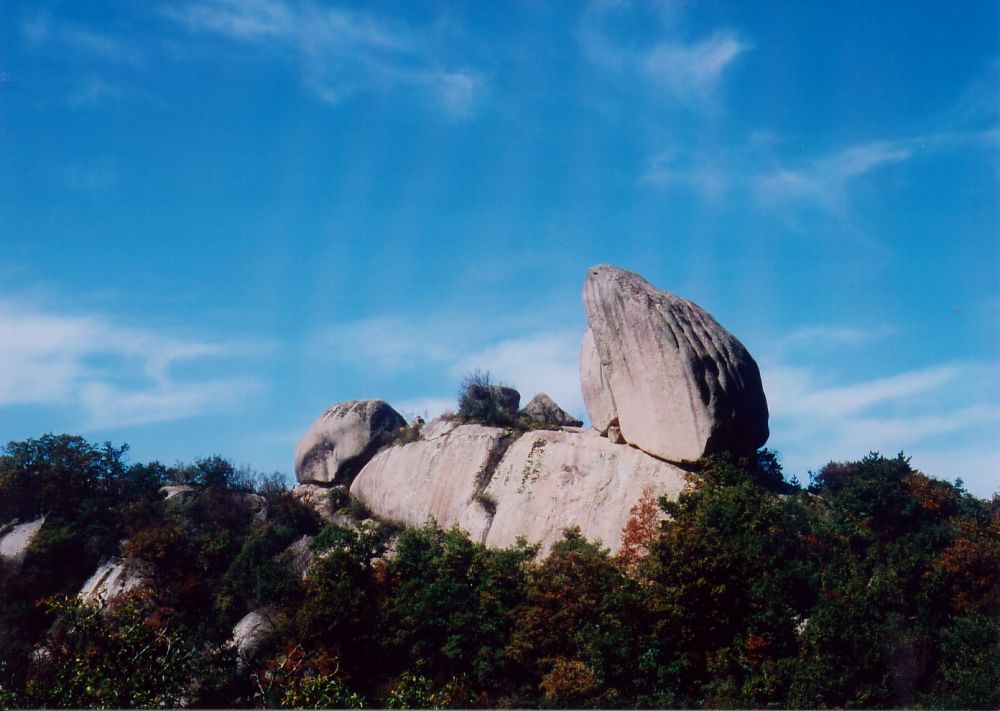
[681, 385]
[543, 410]
[496, 489]
[343, 439]
[111, 579]
[549, 481]
[429, 479]
[253, 629]
[597, 396]
[15, 542]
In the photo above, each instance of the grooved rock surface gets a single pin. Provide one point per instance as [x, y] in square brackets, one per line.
[342, 440]
[431, 478]
[681, 385]
[543, 410]
[548, 481]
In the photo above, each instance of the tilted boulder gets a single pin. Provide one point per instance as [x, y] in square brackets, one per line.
[679, 384]
[342, 441]
[542, 410]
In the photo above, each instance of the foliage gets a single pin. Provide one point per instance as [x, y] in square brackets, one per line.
[876, 586]
[480, 400]
[117, 660]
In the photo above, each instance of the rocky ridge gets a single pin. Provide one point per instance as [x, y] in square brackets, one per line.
[663, 383]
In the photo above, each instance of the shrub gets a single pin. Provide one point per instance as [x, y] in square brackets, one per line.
[485, 402]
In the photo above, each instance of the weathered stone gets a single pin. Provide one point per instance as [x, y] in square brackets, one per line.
[597, 396]
[342, 441]
[253, 629]
[497, 489]
[171, 491]
[431, 479]
[682, 386]
[615, 435]
[298, 556]
[549, 481]
[542, 410]
[15, 542]
[113, 578]
[317, 498]
[438, 427]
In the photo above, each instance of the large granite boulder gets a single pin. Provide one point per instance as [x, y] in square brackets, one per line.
[543, 410]
[497, 486]
[679, 384]
[435, 478]
[342, 441]
[550, 481]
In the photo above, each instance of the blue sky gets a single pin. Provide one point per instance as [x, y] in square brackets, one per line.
[218, 217]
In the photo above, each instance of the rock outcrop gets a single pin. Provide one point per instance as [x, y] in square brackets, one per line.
[252, 629]
[113, 578]
[678, 384]
[15, 542]
[497, 486]
[343, 439]
[549, 481]
[663, 383]
[433, 478]
[543, 411]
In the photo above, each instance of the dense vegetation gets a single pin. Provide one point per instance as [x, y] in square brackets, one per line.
[875, 586]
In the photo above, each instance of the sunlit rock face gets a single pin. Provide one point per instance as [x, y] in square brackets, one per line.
[342, 440]
[498, 485]
[677, 384]
[16, 539]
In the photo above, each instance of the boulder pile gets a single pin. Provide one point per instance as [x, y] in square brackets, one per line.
[663, 384]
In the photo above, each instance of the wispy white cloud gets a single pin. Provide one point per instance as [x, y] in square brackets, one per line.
[341, 52]
[541, 362]
[690, 73]
[707, 175]
[941, 415]
[687, 73]
[812, 337]
[40, 29]
[114, 375]
[512, 349]
[824, 180]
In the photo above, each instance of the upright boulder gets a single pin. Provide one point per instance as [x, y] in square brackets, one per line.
[543, 410]
[679, 384]
[342, 441]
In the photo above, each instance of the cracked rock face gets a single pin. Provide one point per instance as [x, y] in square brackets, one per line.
[679, 385]
[342, 441]
[497, 486]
